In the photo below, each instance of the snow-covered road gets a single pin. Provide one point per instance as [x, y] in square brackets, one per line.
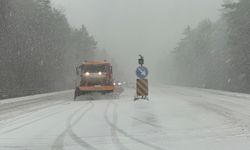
[175, 118]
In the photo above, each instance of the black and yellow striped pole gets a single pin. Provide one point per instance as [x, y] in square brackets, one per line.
[141, 82]
[142, 87]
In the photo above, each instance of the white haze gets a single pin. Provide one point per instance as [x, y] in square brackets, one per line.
[126, 28]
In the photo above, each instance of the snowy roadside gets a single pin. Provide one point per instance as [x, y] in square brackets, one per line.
[207, 91]
[13, 100]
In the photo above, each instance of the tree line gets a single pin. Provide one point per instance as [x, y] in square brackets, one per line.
[38, 48]
[216, 54]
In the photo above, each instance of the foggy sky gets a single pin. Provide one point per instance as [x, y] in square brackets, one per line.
[127, 28]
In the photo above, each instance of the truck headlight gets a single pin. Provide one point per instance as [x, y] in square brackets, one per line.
[87, 73]
[100, 73]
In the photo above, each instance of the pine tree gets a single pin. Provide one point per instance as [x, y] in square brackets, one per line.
[239, 43]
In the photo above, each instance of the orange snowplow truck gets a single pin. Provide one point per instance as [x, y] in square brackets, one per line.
[94, 76]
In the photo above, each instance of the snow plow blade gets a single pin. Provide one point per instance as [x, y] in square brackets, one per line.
[97, 88]
[95, 93]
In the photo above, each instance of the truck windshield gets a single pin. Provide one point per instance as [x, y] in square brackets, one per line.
[94, 68]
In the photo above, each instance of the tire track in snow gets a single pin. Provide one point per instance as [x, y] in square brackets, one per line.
[59, 142]
[28, 113]
[115, 138]
[116, 128]
[44, 116]
[18, 108]
[5, 108]
[74, 136]
[147, 123]
[229, 114]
